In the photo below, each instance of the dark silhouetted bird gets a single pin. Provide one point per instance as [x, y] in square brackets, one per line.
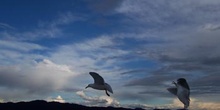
[182, 91]
[99, 83]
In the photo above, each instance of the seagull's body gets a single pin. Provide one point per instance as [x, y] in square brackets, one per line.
[182, 91]
[99, 83]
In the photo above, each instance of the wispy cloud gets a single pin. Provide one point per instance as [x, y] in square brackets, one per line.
[165, 13]
[6, 26]
[93, 53]
[44, 29]
[211, 27]
[20, 46]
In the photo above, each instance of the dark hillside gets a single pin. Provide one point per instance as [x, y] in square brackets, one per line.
[43, 105]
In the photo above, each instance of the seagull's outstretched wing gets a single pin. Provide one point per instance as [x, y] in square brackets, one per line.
[97, 78]
[172, 90]
[109, 88]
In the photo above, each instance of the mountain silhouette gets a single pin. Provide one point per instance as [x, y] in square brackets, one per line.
[44, 105]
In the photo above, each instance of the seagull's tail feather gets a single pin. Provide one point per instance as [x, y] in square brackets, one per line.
[108, 88]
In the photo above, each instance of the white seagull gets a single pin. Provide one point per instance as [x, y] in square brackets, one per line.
[182, 91]
[99, 83]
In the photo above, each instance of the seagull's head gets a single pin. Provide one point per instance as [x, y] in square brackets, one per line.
[181, 80]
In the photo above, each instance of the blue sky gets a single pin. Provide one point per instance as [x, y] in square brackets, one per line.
[139, 47]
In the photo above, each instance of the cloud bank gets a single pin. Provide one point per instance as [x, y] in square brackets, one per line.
[98, 101]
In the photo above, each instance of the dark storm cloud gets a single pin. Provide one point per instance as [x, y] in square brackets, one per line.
[139, 96]
[206, 60]
[209, 80]
[13, 78]
[206, 90]
[158, 93]
[155, 79]
[200, 83]
[212, 61]
[68, 89]
[128, 95]
[157, 13]
[195, 57]
[103, 12]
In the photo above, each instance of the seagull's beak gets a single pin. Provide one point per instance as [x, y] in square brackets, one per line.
[86, 87]
[174, 83]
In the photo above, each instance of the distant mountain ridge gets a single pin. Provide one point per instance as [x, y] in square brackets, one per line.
[44, 105]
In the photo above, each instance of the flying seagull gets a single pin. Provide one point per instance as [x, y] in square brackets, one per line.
[99, 83]
[182, 91]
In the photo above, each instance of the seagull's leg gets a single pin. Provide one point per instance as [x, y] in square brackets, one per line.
[107, 92]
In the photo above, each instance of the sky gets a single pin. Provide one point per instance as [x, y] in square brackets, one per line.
[48, 48]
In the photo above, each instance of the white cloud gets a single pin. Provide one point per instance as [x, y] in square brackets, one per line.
[98, 101]
[1, 100]
[49, 64]
[54, 74]
[40, 78]
[57, 99]
[96, 43]
[211, 27]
